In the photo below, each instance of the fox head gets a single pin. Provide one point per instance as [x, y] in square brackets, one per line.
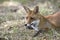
[32, 18]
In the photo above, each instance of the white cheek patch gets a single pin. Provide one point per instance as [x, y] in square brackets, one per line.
[36, 22]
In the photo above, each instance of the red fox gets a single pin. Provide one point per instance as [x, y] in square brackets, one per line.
[38, 22]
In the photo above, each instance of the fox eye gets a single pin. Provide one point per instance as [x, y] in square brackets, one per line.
[26, 17]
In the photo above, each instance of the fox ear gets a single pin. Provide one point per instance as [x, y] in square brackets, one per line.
[26, 9]
[36, 9]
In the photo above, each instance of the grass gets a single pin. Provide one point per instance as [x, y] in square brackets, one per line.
[46, 11]
[22, 1]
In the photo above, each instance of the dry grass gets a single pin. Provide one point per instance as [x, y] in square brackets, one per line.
[15, 30]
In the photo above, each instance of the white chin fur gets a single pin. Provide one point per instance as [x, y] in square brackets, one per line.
[36, 22]
[35, 28]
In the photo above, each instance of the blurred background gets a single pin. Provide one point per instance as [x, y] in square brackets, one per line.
[12, 20]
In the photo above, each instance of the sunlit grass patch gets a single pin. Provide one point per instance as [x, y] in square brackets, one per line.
[46, 11]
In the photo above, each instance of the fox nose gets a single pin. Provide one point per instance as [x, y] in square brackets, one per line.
[28, 26]
[25, 24]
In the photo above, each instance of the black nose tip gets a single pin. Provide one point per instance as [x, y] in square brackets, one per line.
[25, 24]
